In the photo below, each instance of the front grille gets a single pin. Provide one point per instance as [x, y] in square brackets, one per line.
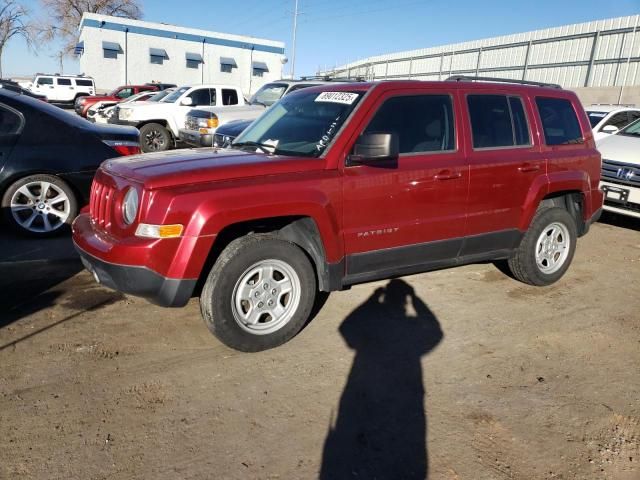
[191, 123]
[223, 141]
[619, 172]
[101, 204]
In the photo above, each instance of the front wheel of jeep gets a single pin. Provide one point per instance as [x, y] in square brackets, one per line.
[259, 294]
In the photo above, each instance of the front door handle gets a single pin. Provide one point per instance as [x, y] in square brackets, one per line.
[447, 175]
[528, 167]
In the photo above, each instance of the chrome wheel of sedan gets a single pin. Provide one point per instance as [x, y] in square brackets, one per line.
[40, 206]
[552, 248]
[266, 296]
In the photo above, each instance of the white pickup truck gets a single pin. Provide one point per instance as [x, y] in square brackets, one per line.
[159, 123]
[201, 124]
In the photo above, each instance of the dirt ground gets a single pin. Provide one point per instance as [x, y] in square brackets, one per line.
[464, 372]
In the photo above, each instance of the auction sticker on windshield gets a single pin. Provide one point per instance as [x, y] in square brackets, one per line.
[346, 98]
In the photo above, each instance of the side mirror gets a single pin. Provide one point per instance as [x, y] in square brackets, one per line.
[610, 129]
[187, 102]
[376, 149]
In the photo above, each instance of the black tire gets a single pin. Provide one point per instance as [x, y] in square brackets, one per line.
[524, 266]
[217, 298]
[38, 227]
[155, 138]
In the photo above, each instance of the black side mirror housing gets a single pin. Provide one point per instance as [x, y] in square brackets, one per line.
[375, 149]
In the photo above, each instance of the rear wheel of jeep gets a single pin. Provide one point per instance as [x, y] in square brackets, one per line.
[259, 294]
[547, 249]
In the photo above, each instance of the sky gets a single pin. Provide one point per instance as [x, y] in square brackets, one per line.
[334, 32]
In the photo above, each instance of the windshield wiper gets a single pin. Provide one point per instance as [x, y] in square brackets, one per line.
[265, 147]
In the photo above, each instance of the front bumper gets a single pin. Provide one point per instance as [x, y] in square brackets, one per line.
[621, 198]
[128, 266]
[195, 138]
[139, 281]
[128, 123]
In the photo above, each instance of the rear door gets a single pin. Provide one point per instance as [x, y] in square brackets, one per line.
[404, 217]
[65, 89]
[11, 125]
[504, 163]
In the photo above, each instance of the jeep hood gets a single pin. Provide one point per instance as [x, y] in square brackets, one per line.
[621, 148]
[183, 167]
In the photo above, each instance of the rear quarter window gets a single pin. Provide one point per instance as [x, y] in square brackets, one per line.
[84, 83]
[559, 121]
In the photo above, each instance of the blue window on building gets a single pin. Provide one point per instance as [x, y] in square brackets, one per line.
[110, 49]
[193, 60]
[157, 56]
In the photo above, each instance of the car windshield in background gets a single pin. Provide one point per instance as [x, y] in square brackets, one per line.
[595, 117]
[633, 129]
[268, 94]
[175, 95]
[300, 124]
[161, 96]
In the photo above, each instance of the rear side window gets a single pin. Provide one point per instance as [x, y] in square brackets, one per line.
[10, 122]
[229, 96]
[423, 123]
[497, 121]
[203, 96]
[559, 121]
[63, 81]
[84, 83]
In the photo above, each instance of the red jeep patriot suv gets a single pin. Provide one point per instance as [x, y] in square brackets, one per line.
[343, 184]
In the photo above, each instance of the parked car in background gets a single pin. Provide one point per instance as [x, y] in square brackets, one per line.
[162, 86]
[83, 104]
[15, 87]
[202, 124]
[227, 133]
[63, 89]
[159, 123]
[621, 171]
[98, 112]
[344, 184]
[609, 119]
[48, 157]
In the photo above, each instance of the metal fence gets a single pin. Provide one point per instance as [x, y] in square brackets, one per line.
[601, 53]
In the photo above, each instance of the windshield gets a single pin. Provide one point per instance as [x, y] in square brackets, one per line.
[161, 96]
[301, 124]
[633, 129]
[268, 94]
[596, 117]
[175, 95]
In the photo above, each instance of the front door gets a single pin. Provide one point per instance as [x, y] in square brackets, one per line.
[402, 218]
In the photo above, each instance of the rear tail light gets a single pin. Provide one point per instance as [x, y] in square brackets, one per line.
[124, 148]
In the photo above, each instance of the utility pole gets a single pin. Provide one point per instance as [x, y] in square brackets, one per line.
[293, 48]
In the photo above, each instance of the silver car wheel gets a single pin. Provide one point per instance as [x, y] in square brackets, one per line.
[40, 207]
[552, 248]
[266, 297]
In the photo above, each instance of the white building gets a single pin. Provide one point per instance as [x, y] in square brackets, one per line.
[602, 53]
[117, 51]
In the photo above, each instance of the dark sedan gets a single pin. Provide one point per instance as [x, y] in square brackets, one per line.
[47, 161]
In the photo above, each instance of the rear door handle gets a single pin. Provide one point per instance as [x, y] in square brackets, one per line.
[527, 167]
[448, 175]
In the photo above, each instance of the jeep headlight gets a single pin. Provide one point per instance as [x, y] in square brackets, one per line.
[130, 206]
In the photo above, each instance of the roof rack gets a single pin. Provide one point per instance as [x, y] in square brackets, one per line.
[465, 78]
[612, 105]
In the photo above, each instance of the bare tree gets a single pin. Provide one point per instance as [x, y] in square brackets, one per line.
[63, 18]
[13, 23]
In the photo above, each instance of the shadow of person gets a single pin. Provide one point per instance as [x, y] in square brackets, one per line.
[380, 431]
